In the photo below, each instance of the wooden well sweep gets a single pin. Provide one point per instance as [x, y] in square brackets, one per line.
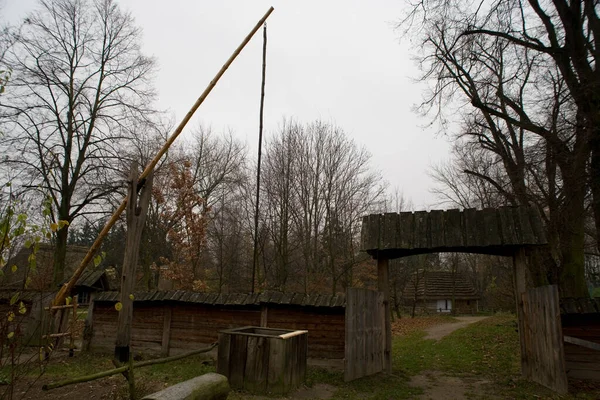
[262, 360]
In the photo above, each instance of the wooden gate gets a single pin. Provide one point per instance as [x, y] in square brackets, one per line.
[365, 328]
[543, 356]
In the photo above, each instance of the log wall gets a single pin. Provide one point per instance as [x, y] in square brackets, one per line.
[581, 362]
[194, 325]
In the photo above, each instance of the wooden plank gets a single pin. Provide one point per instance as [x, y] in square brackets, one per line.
[580, 342]
[524, 225]
[470, 227]
[537, 226]
[389, 228]
[257, 364]
[166, 334]
[453, 230]
[491, 227]
[406, 225]
[237, 360]
[224, 351]
[543, 338]
[374, 231]
[507, 226]
[349, 335]
[422, 231]
[277, 362]
[364, 234]
[436, 222]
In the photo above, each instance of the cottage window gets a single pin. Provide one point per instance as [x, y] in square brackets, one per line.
[83, 298]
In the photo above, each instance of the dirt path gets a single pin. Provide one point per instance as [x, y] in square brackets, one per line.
[439, 331]
[437, 386]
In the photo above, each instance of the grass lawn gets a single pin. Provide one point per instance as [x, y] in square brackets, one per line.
[484, 356]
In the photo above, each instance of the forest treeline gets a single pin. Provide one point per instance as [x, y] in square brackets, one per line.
[514, 84]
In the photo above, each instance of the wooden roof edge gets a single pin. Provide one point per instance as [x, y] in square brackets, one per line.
[229, 299]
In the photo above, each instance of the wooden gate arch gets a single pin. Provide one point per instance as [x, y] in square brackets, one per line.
[505, 231]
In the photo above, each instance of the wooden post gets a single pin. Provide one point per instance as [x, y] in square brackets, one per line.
[166, 337]
[264, 316]
[383, 281]
[88, 328]
[136, 216]
[520, 282]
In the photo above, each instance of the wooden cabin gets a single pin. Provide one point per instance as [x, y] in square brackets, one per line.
[441, 292]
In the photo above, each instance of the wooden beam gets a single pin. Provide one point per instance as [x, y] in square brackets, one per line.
[582, 343]
[136, 217]
[384, 286]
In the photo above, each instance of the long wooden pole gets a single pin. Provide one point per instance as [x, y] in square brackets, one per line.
[67, 287]
[260, 134]
[125, 368]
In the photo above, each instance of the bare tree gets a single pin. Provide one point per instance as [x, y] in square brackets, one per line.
[503, 59]
[79, 80]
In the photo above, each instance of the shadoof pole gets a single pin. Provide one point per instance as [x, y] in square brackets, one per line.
[260, 132]
[67, 287]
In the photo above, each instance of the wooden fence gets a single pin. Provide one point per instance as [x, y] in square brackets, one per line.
[543, 360]
[364, 352]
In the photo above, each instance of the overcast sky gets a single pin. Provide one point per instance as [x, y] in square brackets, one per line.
[339, 61]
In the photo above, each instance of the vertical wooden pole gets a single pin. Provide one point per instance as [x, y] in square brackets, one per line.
[136, 215]
[264, 316]
[88, 329]
[384, 286]
[520, 282]
[166, 337]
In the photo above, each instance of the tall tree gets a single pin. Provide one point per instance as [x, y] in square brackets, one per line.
[530, 71]
[79, 81]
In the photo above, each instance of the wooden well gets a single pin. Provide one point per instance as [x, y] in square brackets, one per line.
[262, 360]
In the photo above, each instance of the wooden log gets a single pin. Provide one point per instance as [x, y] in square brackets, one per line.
[209, 386]
[122, 369]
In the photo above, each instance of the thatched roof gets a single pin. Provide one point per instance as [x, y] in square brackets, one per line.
[440, 285]
[232, 299]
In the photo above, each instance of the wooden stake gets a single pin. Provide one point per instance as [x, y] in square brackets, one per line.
[383, 282]
[136, 217]
[67, 287]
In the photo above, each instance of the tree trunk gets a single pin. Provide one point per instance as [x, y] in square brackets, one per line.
[572, 241]
[595, 183]
[60, 254]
